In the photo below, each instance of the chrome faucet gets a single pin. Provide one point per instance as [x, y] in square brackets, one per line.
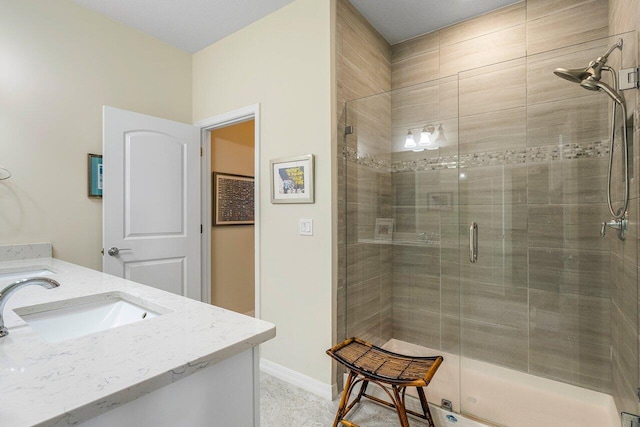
[19, 284]
[620, 224]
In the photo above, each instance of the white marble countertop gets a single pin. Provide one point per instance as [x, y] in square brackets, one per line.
[64, 383]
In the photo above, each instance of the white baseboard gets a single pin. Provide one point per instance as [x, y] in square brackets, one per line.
[297, 379]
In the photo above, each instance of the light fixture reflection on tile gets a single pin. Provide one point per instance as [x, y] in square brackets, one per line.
[438, 138]
[431, 138]
[425, 137]
[409, 142]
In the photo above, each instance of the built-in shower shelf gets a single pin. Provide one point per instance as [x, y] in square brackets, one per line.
[421, 243]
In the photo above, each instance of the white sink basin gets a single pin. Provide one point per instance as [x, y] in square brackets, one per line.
[82, 316]
[24, 272]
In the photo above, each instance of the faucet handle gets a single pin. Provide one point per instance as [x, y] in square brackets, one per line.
[617, 224]
[114, 251]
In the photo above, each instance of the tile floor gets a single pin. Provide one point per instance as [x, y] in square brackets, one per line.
[284, 405]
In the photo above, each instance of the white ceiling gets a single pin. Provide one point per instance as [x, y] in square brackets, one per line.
[399, 20]
[192, 25]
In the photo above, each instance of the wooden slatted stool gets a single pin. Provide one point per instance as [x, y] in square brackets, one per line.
[368, 363]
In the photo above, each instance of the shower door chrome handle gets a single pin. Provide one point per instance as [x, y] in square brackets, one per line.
[473, 242]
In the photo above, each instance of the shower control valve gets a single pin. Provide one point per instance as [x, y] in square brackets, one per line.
[617, 224]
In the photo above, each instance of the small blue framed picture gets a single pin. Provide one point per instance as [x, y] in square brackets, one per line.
[95, 176]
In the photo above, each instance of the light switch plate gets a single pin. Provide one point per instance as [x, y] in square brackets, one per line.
[306, 227]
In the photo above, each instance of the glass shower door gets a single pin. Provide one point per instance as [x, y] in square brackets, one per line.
[548, 309]
[492, 181]
[401, 226]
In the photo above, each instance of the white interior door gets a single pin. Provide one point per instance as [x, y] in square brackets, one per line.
[151, 201]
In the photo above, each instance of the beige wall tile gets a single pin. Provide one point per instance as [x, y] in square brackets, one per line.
[500, 19]
[588, 21]
[448, 97]
[567, 226]
[569, 121]
[539, 8]
[363, 57]
[419, 327]
[624, 290]
[493, 185]
[416, 292]
[416, 46]
[624, 15]
[494, 324]
[577, 181]
[569, 339]
[569, 271]
[494, 88]
[349, 15]
[624, 362]
[416, 69]
[450, 339]
[414, 107]
[499, 130]
[367, 62]
[492, 48]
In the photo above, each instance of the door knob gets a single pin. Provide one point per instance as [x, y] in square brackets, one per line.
[113, 251]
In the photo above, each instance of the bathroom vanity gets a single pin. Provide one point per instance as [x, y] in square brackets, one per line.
[158, 359]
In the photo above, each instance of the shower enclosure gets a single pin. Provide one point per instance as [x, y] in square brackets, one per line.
[473, 210]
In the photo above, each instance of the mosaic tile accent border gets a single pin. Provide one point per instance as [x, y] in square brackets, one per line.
[568, 152]
[381, 162]
[543, 154]
[425, 164]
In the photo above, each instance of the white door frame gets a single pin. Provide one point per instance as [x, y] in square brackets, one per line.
[251, 112]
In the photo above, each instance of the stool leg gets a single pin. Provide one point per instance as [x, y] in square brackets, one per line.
[363, 390]
[402, 413]
[425, 406]
[344, 399]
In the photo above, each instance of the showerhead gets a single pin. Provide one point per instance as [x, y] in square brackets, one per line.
[595, 85]
[575, 75]
[593, 71]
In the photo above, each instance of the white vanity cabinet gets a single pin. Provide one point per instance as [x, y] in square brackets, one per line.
[224, 394]
[193, 364]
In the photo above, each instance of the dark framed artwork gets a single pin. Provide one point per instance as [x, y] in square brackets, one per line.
[95, 176]
[233, 199]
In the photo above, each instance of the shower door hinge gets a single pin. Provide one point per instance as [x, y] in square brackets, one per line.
[629, 78]
[629, 420]
[348, 130]
[201, 152]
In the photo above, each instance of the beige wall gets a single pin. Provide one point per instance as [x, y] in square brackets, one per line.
[284, 62]
[232, 247]
[59, 64]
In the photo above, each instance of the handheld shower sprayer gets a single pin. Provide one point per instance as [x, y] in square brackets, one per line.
[596, 85]
[590, 79]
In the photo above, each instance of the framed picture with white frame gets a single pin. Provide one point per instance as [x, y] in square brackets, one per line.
[384, 229]
[292, 180]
